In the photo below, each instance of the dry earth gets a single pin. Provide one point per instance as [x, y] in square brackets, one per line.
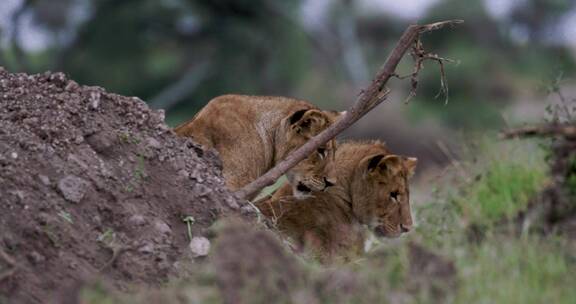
[93, 184]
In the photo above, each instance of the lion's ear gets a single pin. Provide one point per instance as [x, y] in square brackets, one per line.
[410, 163]
[309, 122]
[383, 165]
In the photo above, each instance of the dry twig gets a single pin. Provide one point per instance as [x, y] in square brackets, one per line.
[568, 131]
[369, 98]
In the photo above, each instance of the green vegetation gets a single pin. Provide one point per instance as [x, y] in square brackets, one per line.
[512, 173]
[464, 249]
[508, 270]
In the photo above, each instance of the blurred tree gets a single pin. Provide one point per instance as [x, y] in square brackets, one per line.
[178, 54]
[173, 51]
[540, 17]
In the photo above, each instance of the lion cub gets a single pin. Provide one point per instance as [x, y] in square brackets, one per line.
[253, 133]
[371, 190]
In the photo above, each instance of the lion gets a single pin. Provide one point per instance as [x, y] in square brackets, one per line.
[371, 191]
[254, 133]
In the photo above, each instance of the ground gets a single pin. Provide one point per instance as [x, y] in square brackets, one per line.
[99, 202]
[95, 185]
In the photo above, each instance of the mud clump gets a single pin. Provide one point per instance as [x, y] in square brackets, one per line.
[94, 184]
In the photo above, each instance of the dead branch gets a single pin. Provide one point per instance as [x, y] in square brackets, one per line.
[369, 98]
[567, 131]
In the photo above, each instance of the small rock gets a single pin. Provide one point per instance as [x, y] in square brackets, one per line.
[137, 220]
[19, 194]
[162, 227]
[153, 143]
[200, 246]
[35, 257]
[183, 173]
[248, 210]
[201, 190]
[94, 100]
[232, 203]
[197, 176]
[14, 155]
[147, 248]
[160, 115]
[101, 142]
[72, 86]
[44, 179]
[58, 78]
[73, 188]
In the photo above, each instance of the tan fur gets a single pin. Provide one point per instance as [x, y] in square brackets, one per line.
[253, 133]
[332, 223]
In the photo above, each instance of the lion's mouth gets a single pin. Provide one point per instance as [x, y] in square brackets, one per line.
[380, 231]
[303, 188]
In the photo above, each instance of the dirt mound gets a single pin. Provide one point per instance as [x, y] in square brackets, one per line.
[95, 184]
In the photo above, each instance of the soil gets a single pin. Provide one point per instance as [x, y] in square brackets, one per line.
[93, 184]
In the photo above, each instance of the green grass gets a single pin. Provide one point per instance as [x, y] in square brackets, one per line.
[517, 271]
[507, 175]
[502, 267]
[503, 189]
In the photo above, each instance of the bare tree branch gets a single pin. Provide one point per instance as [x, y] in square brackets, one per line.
[568, 131]
[369, 98]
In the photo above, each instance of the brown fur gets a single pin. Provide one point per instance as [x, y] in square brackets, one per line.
[253, 133]
[331, 223]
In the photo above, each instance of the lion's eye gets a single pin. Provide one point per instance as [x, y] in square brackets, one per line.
[321, 152]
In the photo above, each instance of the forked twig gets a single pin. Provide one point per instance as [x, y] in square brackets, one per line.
[419, 55]
[367, 100]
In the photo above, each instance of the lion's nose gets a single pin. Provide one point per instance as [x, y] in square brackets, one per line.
[405, 228]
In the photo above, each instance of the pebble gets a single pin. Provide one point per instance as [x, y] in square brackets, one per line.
[44, 179]
[153, 143]
[162, 227]
[137, 220]
[200, 246]
[94, 100]
[73, 188]
[35, 257]
[146, 248]
[71, 86]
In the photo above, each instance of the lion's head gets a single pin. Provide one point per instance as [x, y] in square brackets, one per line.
[311, 174]
[379, 191]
